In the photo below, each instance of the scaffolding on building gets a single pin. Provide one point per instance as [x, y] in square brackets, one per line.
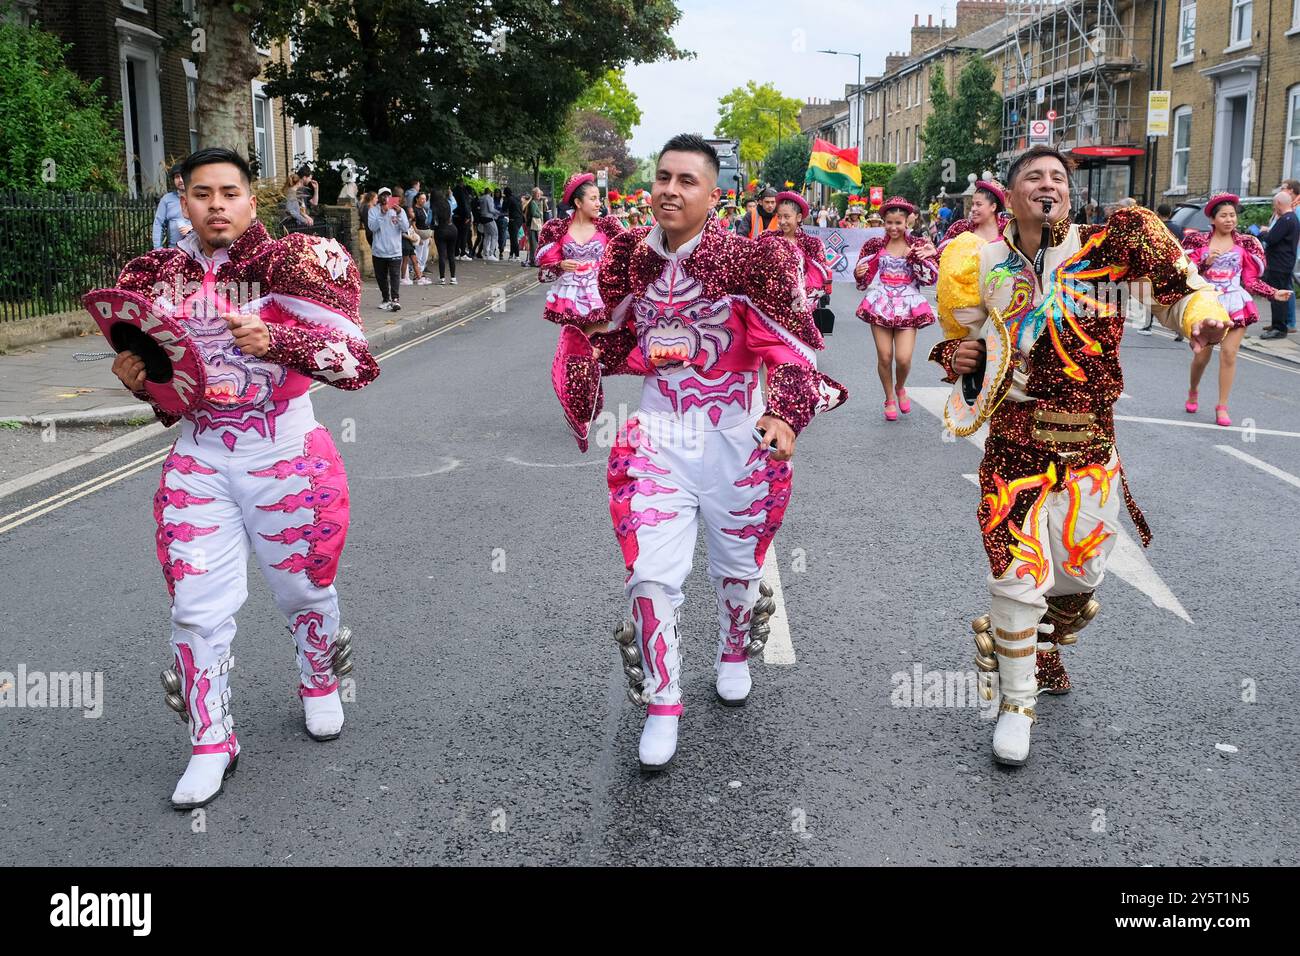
[1077, 57]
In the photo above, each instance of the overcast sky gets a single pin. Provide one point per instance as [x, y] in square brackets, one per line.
[762, 40]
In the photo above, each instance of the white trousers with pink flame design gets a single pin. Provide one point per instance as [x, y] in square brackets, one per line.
[286, 501]
[664, 481]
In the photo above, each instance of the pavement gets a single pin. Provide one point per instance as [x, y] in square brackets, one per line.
[54, 382]
[488, 723]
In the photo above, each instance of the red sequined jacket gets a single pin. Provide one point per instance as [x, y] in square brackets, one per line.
[550, 251]
[305, 288]
[1253, 259]
[740, 300]
[925, 271]
[1065, 330]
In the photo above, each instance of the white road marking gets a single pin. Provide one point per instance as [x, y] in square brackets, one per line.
[544, 464]
[1189, 424]
[451, 465]
[1243, 353]
[1263, 466]
[779, 649]
[1127, 561]
[90, 486]
[99, 451]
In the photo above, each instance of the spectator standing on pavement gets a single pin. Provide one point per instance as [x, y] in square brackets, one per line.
[445, 235]
[420, 223]
[1280, 241]
[487, 220]
[169, 223]
[515, 217]
[296, 216]
[503, 225]
[363, 214]
[462, 212]
[387, 220]
[535, 218]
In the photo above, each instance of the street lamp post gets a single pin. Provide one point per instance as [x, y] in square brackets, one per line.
[779, 113]
[858, 93]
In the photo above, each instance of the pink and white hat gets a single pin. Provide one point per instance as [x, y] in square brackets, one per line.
[991, 186]
[795, 198]
[576, 180]
[896, 202]
[1218, 199]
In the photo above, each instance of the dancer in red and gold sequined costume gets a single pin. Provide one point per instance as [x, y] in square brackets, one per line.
[252, 466]
[1051, 479]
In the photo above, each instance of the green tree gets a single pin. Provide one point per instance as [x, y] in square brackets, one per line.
[787, 162]
[755, 115]
[610, 97]
[876, 174]
[417, 88]
[56, 132]
[904, 183]
[962, 132]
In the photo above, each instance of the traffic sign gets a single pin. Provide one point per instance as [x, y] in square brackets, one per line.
[1040, 132]
[602, 178]
[1051, 114]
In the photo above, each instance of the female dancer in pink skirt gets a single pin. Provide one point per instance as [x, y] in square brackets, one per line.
[1232, 262]
[569, 254]
[892, 269]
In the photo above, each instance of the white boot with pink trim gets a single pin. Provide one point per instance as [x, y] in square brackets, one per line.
[655, 623]
[198, 688]
[322, 659]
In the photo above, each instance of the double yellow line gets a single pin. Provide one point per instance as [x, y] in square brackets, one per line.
[68, 495]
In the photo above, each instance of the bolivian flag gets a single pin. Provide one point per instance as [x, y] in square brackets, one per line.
[835, 167]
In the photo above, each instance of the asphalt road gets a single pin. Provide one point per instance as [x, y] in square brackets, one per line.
[481, 580]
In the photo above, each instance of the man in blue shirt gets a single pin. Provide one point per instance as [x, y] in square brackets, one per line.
[169, 216]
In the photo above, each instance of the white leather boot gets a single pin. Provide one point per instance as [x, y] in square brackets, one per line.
[198, 689]
[655, 621]
[1016, 653]
[324, 655]
[744, 607]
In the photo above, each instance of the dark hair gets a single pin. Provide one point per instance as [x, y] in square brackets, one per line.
[210, 157]
[1292, 184]
[304, 170]
[580, 192]
[692, 143]
[1038, 152]
[1214, 210]
[992, 198]
[792, 204]
[1164, 211]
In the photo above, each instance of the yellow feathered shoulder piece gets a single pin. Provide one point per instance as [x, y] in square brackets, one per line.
[959, 281]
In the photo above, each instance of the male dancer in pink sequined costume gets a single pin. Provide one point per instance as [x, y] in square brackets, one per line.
[251, 464]
[697, 310]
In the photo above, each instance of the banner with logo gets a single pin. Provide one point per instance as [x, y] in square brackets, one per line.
[842, 247]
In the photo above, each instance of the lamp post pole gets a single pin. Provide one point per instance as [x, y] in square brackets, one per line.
[857, 91]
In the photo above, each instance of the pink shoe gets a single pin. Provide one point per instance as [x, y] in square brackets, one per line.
[904, 403]
[1191, 405]
[891, 411]
[1221, 416]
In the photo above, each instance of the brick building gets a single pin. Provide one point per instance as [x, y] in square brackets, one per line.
[897, 104]
[1233, 75]
[138, 50]
[1088, 62]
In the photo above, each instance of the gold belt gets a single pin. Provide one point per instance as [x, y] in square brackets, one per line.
[1044, 418]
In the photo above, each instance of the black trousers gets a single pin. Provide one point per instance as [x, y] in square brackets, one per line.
[1278, 279]
[514, 237]
[462, 237]
[445, 238]
[388, 274]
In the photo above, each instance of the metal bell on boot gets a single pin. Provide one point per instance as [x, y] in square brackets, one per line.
[171, 682]
[625, 635]
[341, 659]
